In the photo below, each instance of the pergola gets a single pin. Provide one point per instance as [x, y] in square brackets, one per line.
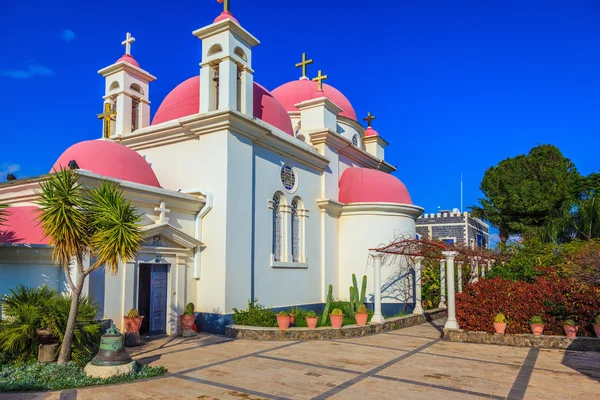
[447, 254]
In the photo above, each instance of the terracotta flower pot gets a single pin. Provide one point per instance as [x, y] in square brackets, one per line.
[537, 329]
[312, 322]
[361, 319]
[336, 321]
[597, 330]
[292, 319]
[132, 325]
[571, 331]
[187, 322]
[500, 327]
[283, 321]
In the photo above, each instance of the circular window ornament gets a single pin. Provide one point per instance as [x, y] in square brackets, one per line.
[355, 140]
[288, 178]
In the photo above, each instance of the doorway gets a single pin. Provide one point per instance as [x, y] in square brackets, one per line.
[152, 298]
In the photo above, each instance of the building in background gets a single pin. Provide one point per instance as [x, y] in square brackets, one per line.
[454, 227]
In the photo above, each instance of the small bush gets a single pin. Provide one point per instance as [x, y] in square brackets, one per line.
[569, 322]
[311, 314]
[255, 315]
[536, 320]
[283, 313]
[36, 376]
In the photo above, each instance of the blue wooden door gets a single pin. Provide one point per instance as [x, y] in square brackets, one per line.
[158, 299]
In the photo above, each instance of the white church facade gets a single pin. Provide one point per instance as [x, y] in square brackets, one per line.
[245, 193]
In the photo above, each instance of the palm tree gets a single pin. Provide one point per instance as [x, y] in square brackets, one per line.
[3, 214]
[96, 223]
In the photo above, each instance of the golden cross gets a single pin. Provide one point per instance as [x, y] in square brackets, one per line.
[303, 64]
[106, 117]
[225, 5]
[369, 118]
[320, 78]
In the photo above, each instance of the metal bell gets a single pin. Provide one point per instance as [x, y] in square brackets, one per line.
[112, 349]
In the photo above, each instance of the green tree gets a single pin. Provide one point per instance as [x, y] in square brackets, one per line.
[521, 193]
[3, 214]
[96, 223]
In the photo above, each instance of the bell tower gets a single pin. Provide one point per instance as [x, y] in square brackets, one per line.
[226, 75]
[126, 98]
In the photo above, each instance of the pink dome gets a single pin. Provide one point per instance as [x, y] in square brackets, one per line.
[107, 158]
[184, 100]
[223, 16]
[22, 227]
[362, 185]
[129, 59]
[371, 132]
[292, 93]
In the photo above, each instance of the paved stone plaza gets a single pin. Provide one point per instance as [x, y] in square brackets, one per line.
[411, 363]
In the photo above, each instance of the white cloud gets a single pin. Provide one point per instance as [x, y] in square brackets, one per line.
[26, 73]
[67, 35]
[6, 169]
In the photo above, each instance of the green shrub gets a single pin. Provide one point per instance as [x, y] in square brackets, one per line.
[569, 322]
[337, 312]
[311, 314]
[36, 376]
[189, 310]
[255, 315]
[133, 313]
[283, 313]
[597, 319]
[500, 318]
[536, 320]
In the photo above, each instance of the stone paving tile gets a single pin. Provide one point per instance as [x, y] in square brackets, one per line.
[570, 362]
[490, 353]
[335, 354]
[385, 342]
[552, 385]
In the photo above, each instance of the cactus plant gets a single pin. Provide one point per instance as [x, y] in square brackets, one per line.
[536, 320]
[189, 310]
[598, 319]
[569, 322]
[311, 314]
[327, 305]
[362, 309]
[337, 311]
[283, 313]
[500, 318]
[357, 297]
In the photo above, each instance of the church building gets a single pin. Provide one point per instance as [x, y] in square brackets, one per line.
[245, 193]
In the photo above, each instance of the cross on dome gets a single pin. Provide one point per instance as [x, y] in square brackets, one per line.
[162, 219]
[320, 78]
[369, 118]
[127, 43]
[303, 64]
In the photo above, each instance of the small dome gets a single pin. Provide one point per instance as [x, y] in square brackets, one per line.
[362, 185]
[127, 58]
[223, 16]
[21, 226]
[184, 100]
[292, 93]
[107, 158]
[371, 132]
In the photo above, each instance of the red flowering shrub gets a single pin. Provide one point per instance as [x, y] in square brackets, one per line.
[553, 298]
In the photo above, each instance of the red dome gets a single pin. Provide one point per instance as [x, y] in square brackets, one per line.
[371, 132]
[223, 16]
[362, 185]
[129, 59]
[292, 93]
[107, 158]
[22, 227]
[184, 100]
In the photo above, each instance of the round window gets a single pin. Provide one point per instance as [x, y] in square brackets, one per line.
[288, 178]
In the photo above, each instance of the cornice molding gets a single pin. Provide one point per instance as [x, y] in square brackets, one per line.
[379, 208]
[333, 208]
[129, 68]
[224, 26]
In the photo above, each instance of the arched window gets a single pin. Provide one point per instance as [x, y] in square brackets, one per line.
[240, 53]
[114, 85]
[137, 88]
[277, 227]
[355, 140]
[297, 231]
[216, 48]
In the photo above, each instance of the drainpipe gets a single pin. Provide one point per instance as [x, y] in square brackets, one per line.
[198, 225]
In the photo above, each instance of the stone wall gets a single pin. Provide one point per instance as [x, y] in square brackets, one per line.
[527, 340]
[324, 333]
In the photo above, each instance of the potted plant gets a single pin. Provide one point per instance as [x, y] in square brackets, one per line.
[187, 319]
[283, 319]
[537, 325]
[311, 319]
[337, 318]
[133, 321]
[500, 323]
[570, 328]
[597, 326]
[361, 315]
[293, 314]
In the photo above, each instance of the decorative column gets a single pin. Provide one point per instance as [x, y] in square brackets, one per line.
[460, 277]
[442, 283]
[451, 321]
[418, 294]
[377, 316]
[475, 271]
[483, 267]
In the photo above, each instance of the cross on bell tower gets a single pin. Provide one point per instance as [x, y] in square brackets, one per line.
[127, 43]
[369, 118]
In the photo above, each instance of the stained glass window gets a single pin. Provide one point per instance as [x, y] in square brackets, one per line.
[288, 178]
[295, 232]
[276, 229]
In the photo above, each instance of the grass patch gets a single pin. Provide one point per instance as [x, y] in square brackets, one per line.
[35, 377]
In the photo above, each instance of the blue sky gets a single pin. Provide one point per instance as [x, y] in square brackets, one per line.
[456, 85]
